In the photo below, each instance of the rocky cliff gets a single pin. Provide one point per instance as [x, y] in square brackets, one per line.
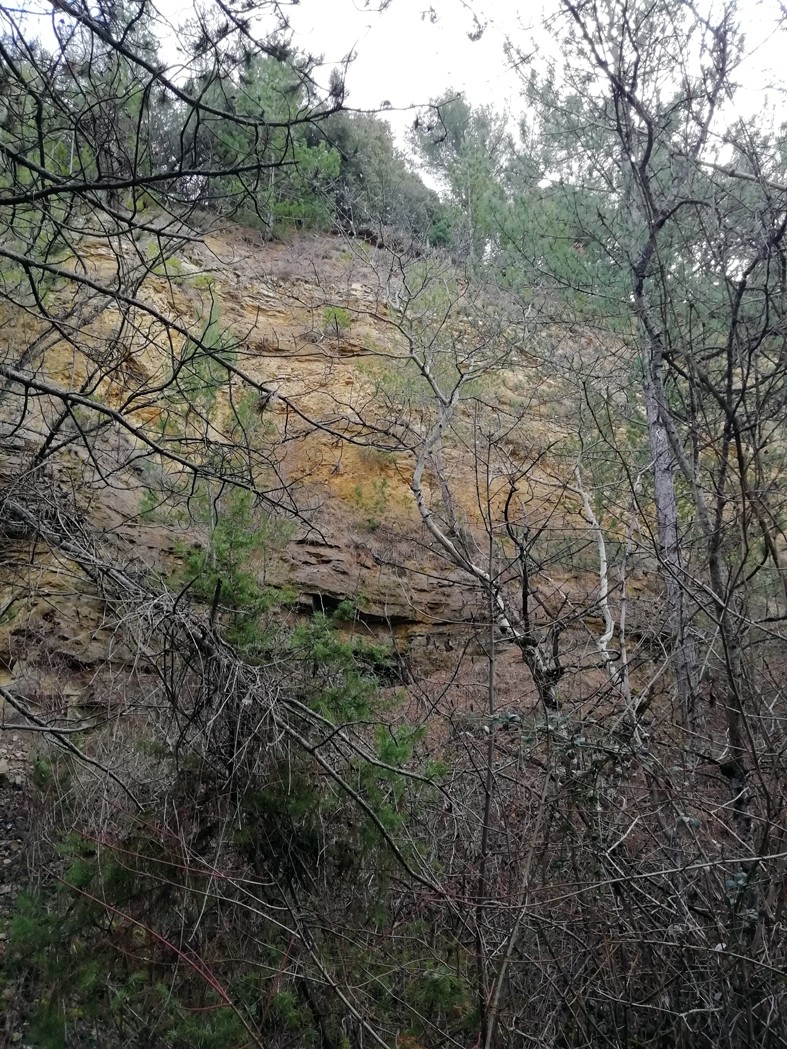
[321, 333]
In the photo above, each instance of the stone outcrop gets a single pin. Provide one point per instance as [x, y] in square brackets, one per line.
[315, 322]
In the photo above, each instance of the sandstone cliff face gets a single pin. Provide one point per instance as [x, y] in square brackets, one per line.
[325, 325]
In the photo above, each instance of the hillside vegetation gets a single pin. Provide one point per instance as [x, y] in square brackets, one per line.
[392, 590]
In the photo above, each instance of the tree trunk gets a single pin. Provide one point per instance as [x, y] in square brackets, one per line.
[669, 548]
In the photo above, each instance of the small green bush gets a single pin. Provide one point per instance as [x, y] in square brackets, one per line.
[336, 320]
[203, 281]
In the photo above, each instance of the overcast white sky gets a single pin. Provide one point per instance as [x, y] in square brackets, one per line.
[407, 53]
[416, 49]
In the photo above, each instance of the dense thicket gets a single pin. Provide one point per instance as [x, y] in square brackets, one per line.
[263, 831]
